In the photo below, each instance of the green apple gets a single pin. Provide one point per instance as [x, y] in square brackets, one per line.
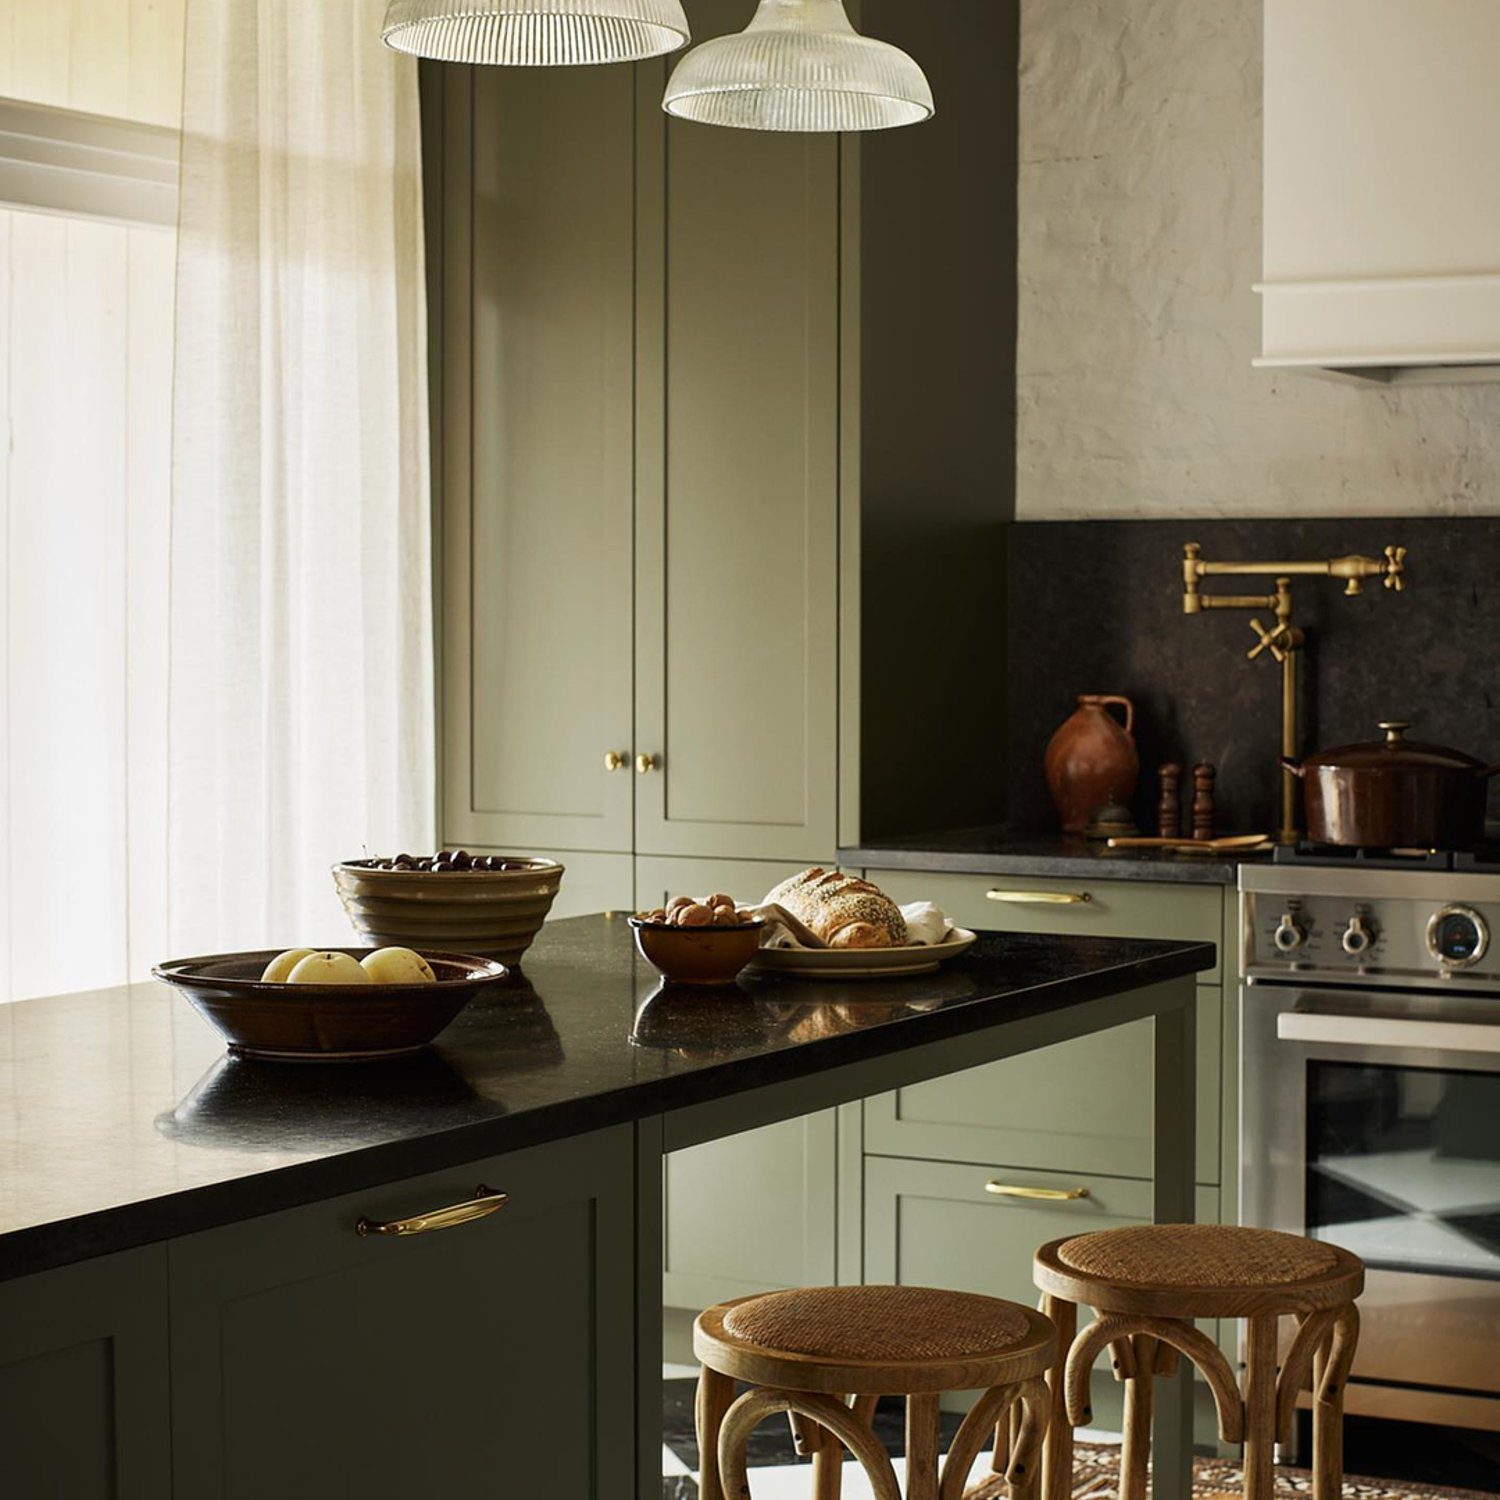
[280, 967]
[328, 968]
[398, 966]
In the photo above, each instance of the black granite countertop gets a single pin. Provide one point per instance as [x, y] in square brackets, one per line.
[997, 851]
[122, 1121]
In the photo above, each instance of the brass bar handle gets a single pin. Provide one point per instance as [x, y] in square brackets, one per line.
[484, 1202]
[1041, 898]
[1039, 1195]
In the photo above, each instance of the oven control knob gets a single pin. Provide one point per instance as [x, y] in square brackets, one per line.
[1458, 937]
[1289, 935]
[1357, 937]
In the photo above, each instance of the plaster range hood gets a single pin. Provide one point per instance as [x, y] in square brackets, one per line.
[1382, 190]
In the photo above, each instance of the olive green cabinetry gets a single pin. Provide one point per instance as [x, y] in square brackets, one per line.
[494, 1356]
[84, 1383]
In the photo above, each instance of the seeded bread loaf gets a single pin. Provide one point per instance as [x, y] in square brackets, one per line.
[844, 911]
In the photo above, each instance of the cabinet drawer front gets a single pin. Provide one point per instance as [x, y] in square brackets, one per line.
[938, 1224]
[1113, 908]
[1084, 1105]
[387, 1366]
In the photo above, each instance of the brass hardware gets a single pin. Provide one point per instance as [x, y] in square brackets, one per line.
[646, 764]
[1041, 898]
[615, 760]
[1395, 730]
[484, 1202]
[1040, 1195]
[1283, 642]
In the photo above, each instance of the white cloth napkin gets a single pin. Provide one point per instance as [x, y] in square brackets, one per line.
[925, 926]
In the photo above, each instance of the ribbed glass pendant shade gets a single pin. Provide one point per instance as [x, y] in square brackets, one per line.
[535, 33]
[799, 65]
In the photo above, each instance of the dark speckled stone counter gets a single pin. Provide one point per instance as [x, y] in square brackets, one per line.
[993, 851]
[122, 1121]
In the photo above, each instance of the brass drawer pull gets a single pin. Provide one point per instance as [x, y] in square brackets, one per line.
[1041, 1195]
[484, 1202]
[1041, 898]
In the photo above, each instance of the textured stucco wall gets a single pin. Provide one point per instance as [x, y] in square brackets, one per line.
[1139, 244]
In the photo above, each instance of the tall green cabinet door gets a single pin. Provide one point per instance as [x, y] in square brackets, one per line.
[737, 483]
[84, 1407]
[537, 452]
[490, 1357]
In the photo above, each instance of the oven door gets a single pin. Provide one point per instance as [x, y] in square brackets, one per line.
[1372, 1120]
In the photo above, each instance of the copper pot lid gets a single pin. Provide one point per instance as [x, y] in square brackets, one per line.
[1394, 752]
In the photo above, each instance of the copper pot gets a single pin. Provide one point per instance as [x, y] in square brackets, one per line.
[1394, 793]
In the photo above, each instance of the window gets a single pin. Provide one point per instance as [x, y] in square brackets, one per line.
[88, 149]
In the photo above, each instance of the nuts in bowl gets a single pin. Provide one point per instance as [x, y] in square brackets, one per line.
[698, 942]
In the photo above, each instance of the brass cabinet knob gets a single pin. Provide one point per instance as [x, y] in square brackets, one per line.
[616, 760]
[646, 764]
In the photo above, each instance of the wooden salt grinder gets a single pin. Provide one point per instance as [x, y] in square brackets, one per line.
[1203, 801]
[1169, 808]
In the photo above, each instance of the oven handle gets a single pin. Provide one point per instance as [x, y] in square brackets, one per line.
[1387, 1031]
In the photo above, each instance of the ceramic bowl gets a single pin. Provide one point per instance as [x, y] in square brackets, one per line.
[697, 955]
[326, 1022]
[494, 913]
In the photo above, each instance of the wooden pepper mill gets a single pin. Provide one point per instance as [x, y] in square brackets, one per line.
[1203, 801]
[1169, 807]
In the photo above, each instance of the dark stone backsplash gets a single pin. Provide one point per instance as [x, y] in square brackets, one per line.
[1096, 607]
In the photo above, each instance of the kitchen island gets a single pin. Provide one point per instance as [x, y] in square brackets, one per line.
[188, 1306]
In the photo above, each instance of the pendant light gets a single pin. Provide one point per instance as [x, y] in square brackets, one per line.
[799, 65]
[535, 33]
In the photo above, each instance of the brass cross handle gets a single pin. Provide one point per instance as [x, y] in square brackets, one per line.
[1268, 642]
[1395, 568]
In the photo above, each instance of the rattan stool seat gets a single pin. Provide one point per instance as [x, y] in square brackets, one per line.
[1198, 1271]
[886, 1340]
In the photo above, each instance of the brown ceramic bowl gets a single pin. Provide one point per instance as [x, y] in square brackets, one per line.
[326, 1022]
[697, 955]
[494, 913]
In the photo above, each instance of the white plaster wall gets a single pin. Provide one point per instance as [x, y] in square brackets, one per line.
[1140, 241]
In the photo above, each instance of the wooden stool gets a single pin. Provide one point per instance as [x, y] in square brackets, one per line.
[1146, 1284]
[824, 1355]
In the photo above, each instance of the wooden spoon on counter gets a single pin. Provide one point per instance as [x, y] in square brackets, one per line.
[1240, 843]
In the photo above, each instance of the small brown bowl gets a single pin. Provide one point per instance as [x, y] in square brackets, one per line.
[697, 955]
[326, 1022]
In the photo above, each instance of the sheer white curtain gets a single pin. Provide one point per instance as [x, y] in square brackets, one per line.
[300, 692]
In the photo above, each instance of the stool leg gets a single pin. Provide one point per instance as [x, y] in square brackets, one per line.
[1057, 1455]
[1260, 1407]
[1330, 1370]
[828, 1461]
[1140, 1381]
[923, 1437]
[715, 1394]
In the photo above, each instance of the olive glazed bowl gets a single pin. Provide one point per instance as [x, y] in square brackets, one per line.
[697, 955]
[494, 913]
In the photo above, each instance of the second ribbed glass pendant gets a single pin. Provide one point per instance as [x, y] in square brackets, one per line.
[800, 65]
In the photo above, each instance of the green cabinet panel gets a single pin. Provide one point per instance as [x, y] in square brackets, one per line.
[1114, 908]
[440, 1364]
[1082, 1106]
[747, 880]
[936, 1224]
[737, 483]
[591, 882]
[537, 444]
[751, 1213]
[84, 1403]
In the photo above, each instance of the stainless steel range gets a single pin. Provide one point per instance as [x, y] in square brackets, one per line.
[1370, 1108]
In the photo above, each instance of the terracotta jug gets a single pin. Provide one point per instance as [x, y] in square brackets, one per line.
[1092, 760]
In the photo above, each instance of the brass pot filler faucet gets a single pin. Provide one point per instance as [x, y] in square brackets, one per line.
[1283, 641]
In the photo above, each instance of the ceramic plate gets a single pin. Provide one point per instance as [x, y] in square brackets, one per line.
[863, 963]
